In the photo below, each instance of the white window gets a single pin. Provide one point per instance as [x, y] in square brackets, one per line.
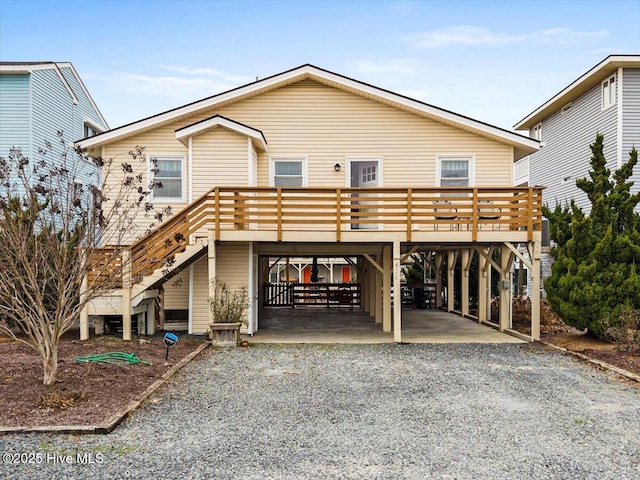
[609, 92]
[537, 132]
[168, 177]
[368, 175]
[455, 170]
[288, 172]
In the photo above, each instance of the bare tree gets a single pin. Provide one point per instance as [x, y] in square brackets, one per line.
[56, 213]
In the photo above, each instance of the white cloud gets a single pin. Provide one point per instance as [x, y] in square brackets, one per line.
[170, 86]
[399, 66]
[475, 35]
[208, 72]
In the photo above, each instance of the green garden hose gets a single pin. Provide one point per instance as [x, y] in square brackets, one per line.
[114, 358]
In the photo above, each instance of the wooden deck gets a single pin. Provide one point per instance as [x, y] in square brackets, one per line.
[464, 215]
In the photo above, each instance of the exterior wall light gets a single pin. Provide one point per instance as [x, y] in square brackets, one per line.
[336, 167]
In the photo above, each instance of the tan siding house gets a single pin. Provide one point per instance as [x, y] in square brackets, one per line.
[322, 162]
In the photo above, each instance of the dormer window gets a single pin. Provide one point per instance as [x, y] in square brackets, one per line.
[89, 130]
[536, 132]
[609, 92]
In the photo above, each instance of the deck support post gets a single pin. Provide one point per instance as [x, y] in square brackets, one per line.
[211, 267]
[451, 270]
[84, 315]
[386, 288]
[397, 297]
[534, 253]
[372, 290]
[364, 285]
[484, 282]
[505, 288]
[378, 292]
[467, 256]
[439, 260]
[126, 294]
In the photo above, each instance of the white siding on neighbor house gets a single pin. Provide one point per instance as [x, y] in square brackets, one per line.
[565, 155]
[14, 114]
[631, 119]
[232, 264]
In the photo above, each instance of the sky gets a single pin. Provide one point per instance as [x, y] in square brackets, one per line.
[495, 61]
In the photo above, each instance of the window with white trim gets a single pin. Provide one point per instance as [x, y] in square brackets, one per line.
[536, 132]
[89, 130]
[609, 92]
[168, 177]
[455, 170]
[288, 172]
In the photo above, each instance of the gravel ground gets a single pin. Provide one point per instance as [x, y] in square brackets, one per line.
[365, 411]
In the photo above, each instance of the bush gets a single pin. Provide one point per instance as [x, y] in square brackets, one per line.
[594, 273]
[228, 306]
[624, 329]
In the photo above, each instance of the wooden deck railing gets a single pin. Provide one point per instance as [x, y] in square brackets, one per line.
[338, 210]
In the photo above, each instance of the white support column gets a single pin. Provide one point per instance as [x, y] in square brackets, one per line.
[483, 266]
[467, 255]
[397, 288]
[151, 318]
[534, 251]
[126, 295]
[84, 314]
[211, 267]
[386, 288]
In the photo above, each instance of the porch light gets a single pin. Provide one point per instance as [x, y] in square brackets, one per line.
[336, 167]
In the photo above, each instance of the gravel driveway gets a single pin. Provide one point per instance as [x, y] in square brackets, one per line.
[365, 411]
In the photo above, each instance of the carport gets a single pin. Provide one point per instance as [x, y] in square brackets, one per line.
[322, 325]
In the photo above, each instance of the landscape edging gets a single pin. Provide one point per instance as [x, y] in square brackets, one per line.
[109, 425]
[600, 363]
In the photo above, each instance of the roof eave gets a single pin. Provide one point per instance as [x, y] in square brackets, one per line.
[301, 73]
[578, 87]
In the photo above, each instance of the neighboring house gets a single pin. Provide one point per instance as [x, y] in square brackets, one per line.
[38, 99]
[309, 163]
[606, 100]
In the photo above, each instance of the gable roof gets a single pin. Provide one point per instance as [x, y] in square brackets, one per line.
[257, 137]
[28, 67]
[523, 145]
[587, 81]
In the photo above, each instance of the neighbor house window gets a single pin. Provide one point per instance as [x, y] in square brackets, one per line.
[609, 92]
[536, 132]
[455, 170]
[168, 177]
[89, 130]
[288, 172]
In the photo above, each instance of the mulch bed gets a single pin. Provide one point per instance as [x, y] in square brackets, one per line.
[84, 393]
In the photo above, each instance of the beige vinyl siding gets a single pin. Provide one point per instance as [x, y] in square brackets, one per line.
[325, 124]
[200, 303]
[232, 267]
[156, 142]
[176, 292]
[220, 158]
